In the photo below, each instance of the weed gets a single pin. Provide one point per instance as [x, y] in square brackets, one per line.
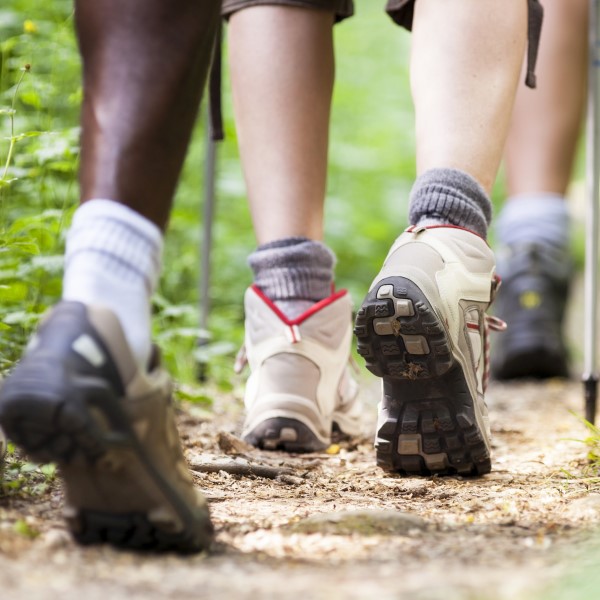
[24, 478]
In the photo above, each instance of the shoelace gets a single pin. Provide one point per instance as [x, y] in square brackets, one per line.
[491, 324]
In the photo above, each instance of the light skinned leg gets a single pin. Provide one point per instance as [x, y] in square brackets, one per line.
[282, 87]
[542, 140]
[465, 66]
[282, 70]
[533, 229]
[465, 63]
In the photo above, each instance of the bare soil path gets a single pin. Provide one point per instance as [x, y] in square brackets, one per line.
[335, 526]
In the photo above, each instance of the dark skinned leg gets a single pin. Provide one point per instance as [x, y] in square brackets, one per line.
[144, 66]
[83, 397]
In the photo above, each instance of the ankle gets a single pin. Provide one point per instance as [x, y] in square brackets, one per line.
[294, 273]
[450, 197]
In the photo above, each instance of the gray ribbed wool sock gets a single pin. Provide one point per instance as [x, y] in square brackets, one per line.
[293, 272]
[450, 197]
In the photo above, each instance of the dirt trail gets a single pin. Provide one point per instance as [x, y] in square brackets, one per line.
[500, 536]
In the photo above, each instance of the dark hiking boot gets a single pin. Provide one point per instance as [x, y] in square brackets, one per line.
[77, 398]
[423, 329]
[532, 300]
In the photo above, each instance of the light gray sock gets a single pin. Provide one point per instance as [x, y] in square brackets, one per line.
[293, 272]
[450, 197]
[535, 220]
[541, 218]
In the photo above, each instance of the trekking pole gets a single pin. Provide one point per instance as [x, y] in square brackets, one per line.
[210, 172]
[590, 377]
[214, 133]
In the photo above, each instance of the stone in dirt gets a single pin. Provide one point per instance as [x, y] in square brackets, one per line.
[361, 522]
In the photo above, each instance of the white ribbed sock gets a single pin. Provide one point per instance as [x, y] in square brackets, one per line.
[113, 259]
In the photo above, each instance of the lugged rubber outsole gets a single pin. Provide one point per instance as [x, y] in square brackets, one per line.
[427, 423]
[88, 435]
[282, 433]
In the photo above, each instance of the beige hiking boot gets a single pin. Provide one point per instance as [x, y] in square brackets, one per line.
[300, 388]
[423, 329]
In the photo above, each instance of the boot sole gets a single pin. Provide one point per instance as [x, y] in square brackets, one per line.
[427, 423]
[105, 468]
[285, 434]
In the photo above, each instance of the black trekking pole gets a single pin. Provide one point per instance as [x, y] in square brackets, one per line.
[210, 169]
[590, 376]
[214, 133]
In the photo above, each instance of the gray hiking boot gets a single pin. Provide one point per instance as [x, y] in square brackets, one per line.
[300, 389]
[423, 329]
[77, 398]
[532, 300]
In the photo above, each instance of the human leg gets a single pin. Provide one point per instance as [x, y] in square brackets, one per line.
[81, 396]
[282, 87]
[137, 116]
[423, 326]
[475, 57]
[533, 227]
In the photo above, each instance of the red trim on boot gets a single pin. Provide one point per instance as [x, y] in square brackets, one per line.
[306, 314]
[412, 228]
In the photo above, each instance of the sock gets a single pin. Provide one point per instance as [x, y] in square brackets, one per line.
[530, 220]
[534, 218]
[113, 259]
[293, 272]
[450, 197]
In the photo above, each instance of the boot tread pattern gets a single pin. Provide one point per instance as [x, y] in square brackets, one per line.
[427, 423]
[285, 434]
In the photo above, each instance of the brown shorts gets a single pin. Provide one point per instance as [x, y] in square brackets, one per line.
[400, 10]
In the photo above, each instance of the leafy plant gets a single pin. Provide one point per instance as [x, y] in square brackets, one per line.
[592, 441]
[25, 478]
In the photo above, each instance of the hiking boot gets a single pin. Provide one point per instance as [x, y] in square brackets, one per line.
[77, 398]
[532, 300]
[300, 388]
[423, 329]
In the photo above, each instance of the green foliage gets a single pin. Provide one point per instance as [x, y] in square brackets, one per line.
[592, 441]
[24, 478]
[38, 164]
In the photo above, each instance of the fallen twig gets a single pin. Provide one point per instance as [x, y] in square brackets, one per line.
[237, 466]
